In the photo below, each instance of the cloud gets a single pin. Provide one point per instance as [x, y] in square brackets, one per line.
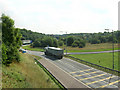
[52, 16]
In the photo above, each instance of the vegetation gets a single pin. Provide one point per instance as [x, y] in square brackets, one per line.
[103, 59]
[46, 41]
[95, 38]
[33, 49]
[30, 35]
[11, 40]
[26, 74]
[92, 47]
[73, 40]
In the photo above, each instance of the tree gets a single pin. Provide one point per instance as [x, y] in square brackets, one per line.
[61, 43]
[55, 42]
[74, 44]
[95, 41]
[11, 40]
[36, 44]
[70, 40]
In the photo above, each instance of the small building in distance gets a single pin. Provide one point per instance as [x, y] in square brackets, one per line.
[26, 42]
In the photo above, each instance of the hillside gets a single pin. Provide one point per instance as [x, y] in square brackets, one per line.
[25, 74]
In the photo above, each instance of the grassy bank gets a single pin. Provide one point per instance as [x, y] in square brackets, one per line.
[26, 74]
[103, 59]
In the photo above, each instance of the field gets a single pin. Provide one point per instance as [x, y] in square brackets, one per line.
[26, 74]
[103, 59]
[92, 47]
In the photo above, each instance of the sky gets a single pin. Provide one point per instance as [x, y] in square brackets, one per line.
[61, 16]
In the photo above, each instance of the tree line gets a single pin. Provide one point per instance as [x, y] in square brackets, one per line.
[73, 40]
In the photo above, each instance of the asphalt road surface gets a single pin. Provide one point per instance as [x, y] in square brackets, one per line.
[91, 77]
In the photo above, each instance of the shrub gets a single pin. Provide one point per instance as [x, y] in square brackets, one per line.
[61, 43]
[74, 45]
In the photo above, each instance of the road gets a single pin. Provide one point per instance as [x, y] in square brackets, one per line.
[89, 76]
[92, 52]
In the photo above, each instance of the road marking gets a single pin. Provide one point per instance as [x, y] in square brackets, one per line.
[85, 74]
[109, 84]
[99, 80]
[81, 71]
[66, 72]
[93, 76]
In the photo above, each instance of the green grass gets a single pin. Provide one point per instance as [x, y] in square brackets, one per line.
[26, 74]
[33, 49]
[92, 47]
[103, 59]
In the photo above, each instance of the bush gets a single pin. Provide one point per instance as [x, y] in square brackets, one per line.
[36, 44]
[74, 45]
[95, 41]
[61, 43]
[70, 40]
[81, 45]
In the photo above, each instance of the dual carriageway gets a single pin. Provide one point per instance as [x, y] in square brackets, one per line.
[87, 76]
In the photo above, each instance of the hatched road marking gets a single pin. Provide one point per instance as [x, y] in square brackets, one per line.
[85, 74]
[81, 71]
[100, 80]
[109, 84]
[93, 76]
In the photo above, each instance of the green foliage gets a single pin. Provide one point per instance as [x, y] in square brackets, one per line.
[60, 43]
[46, 41]
[55, 42]
[4, 54]
[78, 43]
[95, 41]
[74, 44]
[11, 40]
[30, 35]
[36, 44]
[70, 40]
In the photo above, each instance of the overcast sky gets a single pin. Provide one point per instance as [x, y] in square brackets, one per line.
[53, 16]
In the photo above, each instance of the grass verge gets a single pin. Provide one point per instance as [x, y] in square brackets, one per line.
[26, 74]
[102, 59]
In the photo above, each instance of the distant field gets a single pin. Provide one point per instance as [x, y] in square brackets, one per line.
[92, 47]
[32, 49]
[26, 74]
[88, 48]
[103, 59]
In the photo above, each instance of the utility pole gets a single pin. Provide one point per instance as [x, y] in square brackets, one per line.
[112, 46]
[66, 43]
[113, 50]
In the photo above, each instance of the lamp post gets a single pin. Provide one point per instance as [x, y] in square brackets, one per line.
[112, 46]
[66, 41]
